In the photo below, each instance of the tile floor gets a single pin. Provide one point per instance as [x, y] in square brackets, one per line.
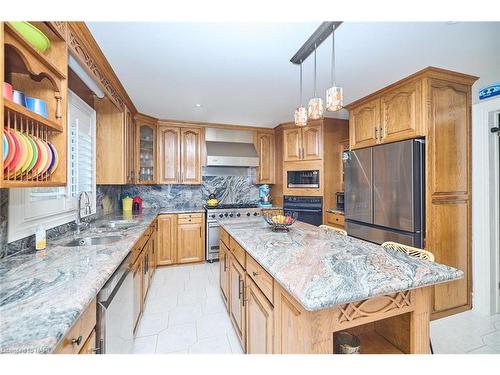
[184, 313]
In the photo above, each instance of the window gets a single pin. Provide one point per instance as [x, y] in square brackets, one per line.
[29, 207]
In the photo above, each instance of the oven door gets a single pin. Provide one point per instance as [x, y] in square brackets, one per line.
[213, 237]
[310, 216]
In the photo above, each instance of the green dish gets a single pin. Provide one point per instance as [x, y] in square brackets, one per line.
[34, 36]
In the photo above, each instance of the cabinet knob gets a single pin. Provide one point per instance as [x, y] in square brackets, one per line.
[254, 273]
[77, 341]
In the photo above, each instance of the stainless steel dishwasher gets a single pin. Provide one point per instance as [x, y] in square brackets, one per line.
[115, 311]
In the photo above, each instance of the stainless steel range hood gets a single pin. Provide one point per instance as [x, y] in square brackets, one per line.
[230, 148]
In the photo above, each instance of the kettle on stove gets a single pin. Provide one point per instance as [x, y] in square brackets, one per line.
[212, 201]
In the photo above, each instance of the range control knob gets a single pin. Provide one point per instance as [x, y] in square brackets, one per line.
[220, 215]
[248, 213]
[238, 214]
[255, 214]
[225, 214]
[230, 215]
[213, 215]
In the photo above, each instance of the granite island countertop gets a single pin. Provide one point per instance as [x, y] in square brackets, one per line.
[322, 268]
[42, 296]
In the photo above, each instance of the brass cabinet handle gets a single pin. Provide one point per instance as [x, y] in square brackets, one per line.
[381, 132]
[376, 133]
[254, 273]
[77, 341]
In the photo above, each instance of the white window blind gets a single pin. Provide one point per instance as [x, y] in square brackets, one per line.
[56, 206]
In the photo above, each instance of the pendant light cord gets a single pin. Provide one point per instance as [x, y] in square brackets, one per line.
[314, 69]
[333, 56]
[300, 92]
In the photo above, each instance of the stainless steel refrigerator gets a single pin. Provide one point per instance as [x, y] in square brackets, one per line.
[385, 193]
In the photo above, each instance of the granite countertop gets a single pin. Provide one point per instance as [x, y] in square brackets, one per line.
[335, 211]
[42, 296]
[322, 269]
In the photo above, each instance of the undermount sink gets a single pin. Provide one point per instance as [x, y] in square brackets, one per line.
[118, 224]
[87, 241]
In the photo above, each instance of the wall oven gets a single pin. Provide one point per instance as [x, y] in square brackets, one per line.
[309, 209]
[303, 179]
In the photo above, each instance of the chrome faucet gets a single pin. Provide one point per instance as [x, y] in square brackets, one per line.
[87, 207]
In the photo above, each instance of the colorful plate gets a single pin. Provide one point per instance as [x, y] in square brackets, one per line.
[12, 150]
[33, 35]
[49, 158]
[55, 161]
[42, 158]
[16, 151]
[34, 156]
[5, 147]
[23, 154]
[29, 153]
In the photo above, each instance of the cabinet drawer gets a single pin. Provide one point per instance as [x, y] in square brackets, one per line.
[80, 331]
[194, 215]
[224, 237]
[335, 219]
[263, 280]
[238, 252]
[189, 220]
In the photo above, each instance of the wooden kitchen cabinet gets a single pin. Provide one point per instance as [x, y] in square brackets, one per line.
[167, 240]
[190, 156]
[335, 220]
[190, 242]
[169, 155]
[259, 320]
[129, 147]
[179, 155]
[224, 272]
[90, 345]
[266, 150]
[237, 306]
[146, 144]
[364, 124]
[303, 143]
[138, 281]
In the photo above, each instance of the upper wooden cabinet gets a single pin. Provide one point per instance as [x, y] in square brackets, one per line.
[364, 124]
[389, 116]
[179, 155]
[190, 156]
[145, 134]
[303, 143]
[266, 150]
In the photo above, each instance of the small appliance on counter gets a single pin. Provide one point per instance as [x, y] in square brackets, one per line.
[137, 204]
[212, 201]
[127, 204]
[265, 196]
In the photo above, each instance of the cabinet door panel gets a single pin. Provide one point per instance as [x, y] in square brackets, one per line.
[364, 123]
[189, 243]
[167, 240]
[169, 155]
[292, 144]
[224, 273]
[266, 150]
[260, 322]
[312, 142]
[236, 298]
[191, 156]
[138, 282]
[146, 152]
[401, 113]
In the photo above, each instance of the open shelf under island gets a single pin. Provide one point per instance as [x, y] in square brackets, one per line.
[293, 292]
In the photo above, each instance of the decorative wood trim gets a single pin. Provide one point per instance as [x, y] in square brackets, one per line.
[85, 48]
[191, 124]
[60, 28]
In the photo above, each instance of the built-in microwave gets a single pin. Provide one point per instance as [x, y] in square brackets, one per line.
[303, 179]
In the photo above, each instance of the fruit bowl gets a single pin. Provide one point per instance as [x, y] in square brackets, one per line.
[281, 223]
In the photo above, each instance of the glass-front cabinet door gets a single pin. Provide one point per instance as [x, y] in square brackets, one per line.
[146, 151]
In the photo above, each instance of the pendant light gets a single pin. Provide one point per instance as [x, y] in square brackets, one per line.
[300, 111]
[315, 109]
[334, 95]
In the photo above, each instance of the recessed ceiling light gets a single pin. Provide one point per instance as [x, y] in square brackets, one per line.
[197, 105]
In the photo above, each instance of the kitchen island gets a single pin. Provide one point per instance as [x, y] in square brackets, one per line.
[314, 283]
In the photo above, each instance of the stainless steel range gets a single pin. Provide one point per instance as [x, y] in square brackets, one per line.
[241, 211]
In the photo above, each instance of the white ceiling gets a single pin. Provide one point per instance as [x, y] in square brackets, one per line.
[240, 72]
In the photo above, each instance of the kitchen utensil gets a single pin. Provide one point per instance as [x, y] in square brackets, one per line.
[346, 343]
[55, 162]
[18, 97]
[281, 222]
[5, 147]
[8, 90]
[212, 201]
[33, 35]
[38, 106]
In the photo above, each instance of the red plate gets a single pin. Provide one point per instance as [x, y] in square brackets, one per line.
[17, 150]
